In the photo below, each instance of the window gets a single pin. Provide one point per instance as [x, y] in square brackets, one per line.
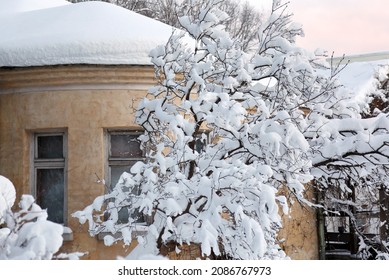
[124, 150]
[49, 161]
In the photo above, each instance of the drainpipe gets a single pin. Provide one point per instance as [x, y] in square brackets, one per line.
[321, 227]
[384, 217]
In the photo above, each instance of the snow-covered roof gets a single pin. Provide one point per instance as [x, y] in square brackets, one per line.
[364, 57]
[53, 32]
[360, 77]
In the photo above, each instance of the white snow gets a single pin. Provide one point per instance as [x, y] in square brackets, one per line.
[7, 196]
[360, 77]
[41, 239]
[11, 7]
[145, 250]
[47, 32]
[26, 234]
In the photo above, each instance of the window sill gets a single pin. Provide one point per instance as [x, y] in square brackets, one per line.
[139, 232]
[67, 234]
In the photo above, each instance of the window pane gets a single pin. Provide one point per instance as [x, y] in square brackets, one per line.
[50, 192]
[50, 147]
[125, 146]
[200, 145]
[117, 171]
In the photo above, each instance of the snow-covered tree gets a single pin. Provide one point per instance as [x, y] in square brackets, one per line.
[25, 234]
[351, 161]
[247, 109]
[226, 131]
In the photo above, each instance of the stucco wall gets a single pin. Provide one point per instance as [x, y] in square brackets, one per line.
[69, 98]
[299, 236]
[84, 101]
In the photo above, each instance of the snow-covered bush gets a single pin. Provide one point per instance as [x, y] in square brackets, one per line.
[25, 234]
[225, 131]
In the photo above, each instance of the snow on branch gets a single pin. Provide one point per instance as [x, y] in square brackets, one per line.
[226, 131]
[26, 234]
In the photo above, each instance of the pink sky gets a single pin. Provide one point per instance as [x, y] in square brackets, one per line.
[343, 26]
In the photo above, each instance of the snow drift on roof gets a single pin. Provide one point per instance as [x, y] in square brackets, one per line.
[17, 6]
[52, 32]
[360, 78]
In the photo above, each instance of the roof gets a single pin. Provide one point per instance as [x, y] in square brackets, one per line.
[55, 32]
[360, 77]
[365, 57]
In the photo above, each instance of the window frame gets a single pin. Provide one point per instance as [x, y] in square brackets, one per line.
[49, 163]
[124, 161]
[117, 161]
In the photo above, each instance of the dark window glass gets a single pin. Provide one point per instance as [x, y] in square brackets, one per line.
[125, 146]
[124, 152]
[200, 145]
[50, 147]
[117, 171]
[50, 192]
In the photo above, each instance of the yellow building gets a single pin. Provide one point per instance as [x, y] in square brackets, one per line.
[70, 79]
